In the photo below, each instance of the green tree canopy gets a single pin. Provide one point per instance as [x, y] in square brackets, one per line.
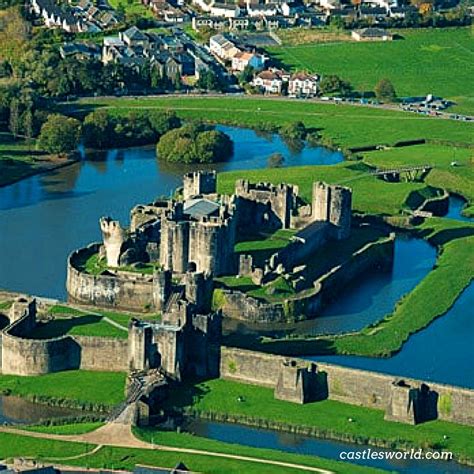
[333, 84]
[385, 91]
[59, 134]
[194, 144]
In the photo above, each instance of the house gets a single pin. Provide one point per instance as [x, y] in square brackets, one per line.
[204, 5]
[376, 13]
[372, 34]
[241, 23]
[271, 80]
[262, 10]
[134, 37]
[291, 8]
[55, 17]
[225, 10]
[243, 59]
[400, 12]
[275, 22]
[179, 64]
[80, 51]
[303, 84]
[222, 47]
[212, 22]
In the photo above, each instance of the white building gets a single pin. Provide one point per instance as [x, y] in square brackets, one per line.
[222, 47]
[303, 84]
[271, 80]
[243, 59]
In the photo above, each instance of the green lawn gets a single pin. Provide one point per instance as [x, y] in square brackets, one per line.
[132, 7]
[425, 61]
[67, 429]
[16, 158]
[127, 458]
[262, 246]
[457, 178]
[85, 325]
[79, 387]
[77, 322]
[346, 125]
[329, 417]
[95, 266]
[391, 197]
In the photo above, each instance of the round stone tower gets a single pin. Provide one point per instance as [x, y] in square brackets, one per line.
[340, 213]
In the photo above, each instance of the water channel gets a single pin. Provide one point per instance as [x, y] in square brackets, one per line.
[16, 410]
[298, 444]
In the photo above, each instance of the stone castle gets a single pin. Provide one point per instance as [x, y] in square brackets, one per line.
[196, 235]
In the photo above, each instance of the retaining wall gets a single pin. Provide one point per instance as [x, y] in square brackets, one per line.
[353, 386]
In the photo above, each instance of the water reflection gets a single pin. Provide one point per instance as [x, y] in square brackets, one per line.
[292, 443]
[15, 410]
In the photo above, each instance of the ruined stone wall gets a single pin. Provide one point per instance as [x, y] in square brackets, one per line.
[238, 305]
[352, 386]
[257, 203]
[134, 292]
[333, 204]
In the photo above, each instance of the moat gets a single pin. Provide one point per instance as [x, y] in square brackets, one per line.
[61, 210]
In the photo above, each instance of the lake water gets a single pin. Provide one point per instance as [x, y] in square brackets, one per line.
[293, 443]
[45, 217]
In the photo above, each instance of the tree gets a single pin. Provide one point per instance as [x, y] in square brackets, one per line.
[333, 84]
[385, 91]
[162, 122]
[14, 122]
[28, 126]
[98, 129]
[294, 131]
[59, 134]
[208, 80]
[194, 144]
[247, 74]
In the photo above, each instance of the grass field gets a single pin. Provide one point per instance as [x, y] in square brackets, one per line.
[79, 386]
[126, 458]
[222, 397]
[425, 61]
[457, 178]
[67, 429]
[346, 125]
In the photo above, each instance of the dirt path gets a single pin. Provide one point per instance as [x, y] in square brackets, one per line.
[120, 435]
